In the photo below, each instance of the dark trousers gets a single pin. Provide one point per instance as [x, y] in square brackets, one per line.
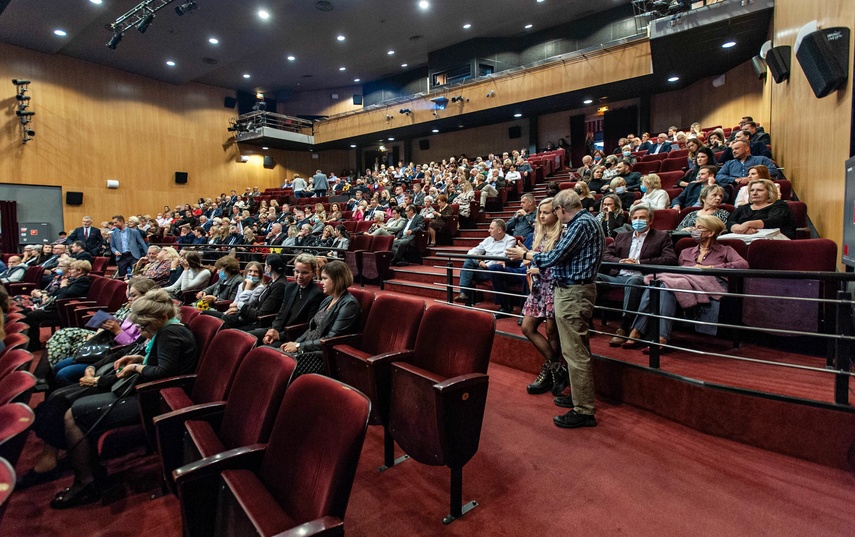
[123, 262]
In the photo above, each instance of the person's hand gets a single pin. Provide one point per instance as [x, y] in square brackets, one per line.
[291, 347]
[125, 360]
[533, 271]
[210, 299]
[127, 370]
[232, 310]
[270, 336]
[629, 260]
[199, 295]
[516, 253]
[520, 212]
[112, 326]
[89, 381]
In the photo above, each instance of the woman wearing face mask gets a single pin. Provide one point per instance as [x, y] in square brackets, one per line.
[618, 187]
[269, 301]
[711, 196]
[708, 253]
[226, 286]
[626, 154]
[654, 197]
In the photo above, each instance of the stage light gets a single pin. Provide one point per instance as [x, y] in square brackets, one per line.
[20, 81]
[145, 22]
[114, 41]
[440, 102]
[406, 111]
[186, 8]
[24, 113]
[22, 97]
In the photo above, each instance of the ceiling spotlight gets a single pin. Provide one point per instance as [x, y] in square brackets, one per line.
[291, 58]
[96, 1]
[114, 41]
[246, 75]
[170, 63]
[467, 26]
[21, 97]
[20, 81]
[24, 113]
[187, 8]
[729, 44]
[528, 26]
[517, 114]
[588, 101]
[353, 146]
[145, 22]
[391, 139]
[440, 102]
[404, 65]
[60, 33]
[424, 4]
[674, 79]
[342, 68]
[340, 38]
[406, 111]
[391, 52]
[263, 14]
[435, 131]
[356, 80]
[213, 40]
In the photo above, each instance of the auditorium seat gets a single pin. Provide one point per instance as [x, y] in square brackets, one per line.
[7, 485]
[16, 387]
[198, 431]
[651, 157]
[15, 422]
[204, 327]
[364, 360]
[353, 255]
[32, 280]
[644, 168]
[376, 260]
[674, 164]
[285, 485]
[665, 219]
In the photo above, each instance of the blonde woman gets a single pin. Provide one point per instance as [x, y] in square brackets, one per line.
[654, 197]
[464, 199]
[539, 307]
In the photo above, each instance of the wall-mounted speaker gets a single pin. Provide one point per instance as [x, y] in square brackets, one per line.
[74, 198]
[778, 60]
[759, 66]
[357, 99]
[514, 132]
[180, 178]
[424, 145]
[269, 162]
[229, 102]
[824, 57]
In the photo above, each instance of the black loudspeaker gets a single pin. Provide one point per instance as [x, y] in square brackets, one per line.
[357, 99]
[268, 162]
[778, 60]
[759, 66]
[180, 178]
[424, 145]
[514, 132]
[824, 57]
[74, 198]
[229, 102]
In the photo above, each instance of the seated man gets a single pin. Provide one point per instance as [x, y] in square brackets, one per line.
[494, 245]
[522, 223]
[734, 173]
[300, 302]
[690, 196]
[14, 271]
[406, 238]
[624, 171]
[643, 245]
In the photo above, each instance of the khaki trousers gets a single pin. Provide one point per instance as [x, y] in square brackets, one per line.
[574, 307]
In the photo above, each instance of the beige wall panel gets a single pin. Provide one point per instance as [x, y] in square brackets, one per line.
[321, 103]
[810, 136]
[479, 141]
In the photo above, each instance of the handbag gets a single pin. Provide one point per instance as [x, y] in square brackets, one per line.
[124, 386]
[94, 349]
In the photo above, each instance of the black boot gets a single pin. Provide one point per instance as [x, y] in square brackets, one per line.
[560, 377]
[543, 382]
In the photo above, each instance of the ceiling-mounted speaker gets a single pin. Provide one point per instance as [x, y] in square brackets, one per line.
[778, 60]
[824, 57]
[269, 163]
[229, 102]
[181, 178]
[759, 66]
[74, 198]
[424, 145]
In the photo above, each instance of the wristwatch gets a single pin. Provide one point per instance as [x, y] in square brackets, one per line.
[298, 347]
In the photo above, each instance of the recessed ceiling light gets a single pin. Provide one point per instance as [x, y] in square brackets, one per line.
[263, 15]
[467, 26]
[291, 58]
[213, 40]
[528, 26]
[264, 147]
[391, 139]
[435, 131]
[170, 63]
[587, 101]
[96, 1]
[390, 52]
[340, 38]
[356, 80]
[60, 33]
[674, 79]
[353, 146]
[403, 65]
[729, 44]
[342, 68]
[246, 75]
[424, 4]
[518, 114]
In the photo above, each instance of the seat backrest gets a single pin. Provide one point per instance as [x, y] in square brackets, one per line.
[99, 265]
[15, 343]
[118, 295]
[96, 288]
[360, 242]
[255, 397]
[188, 313]
[382, 243]
[799, 210]
[807, 254]
[651, 166]
[365, 299]
[673, 164]
[7, 485]
[15, 422]
[665, 219]
[16, 387]
[204, 327]
[670, 179]
[33, 275]
[318, 415]
[380, 335]
[454, 341]
[218, 367]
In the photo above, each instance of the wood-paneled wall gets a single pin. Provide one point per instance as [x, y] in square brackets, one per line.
[479, 141]
[94, 123]
[810, 136]
[321, 102]
[741, 95]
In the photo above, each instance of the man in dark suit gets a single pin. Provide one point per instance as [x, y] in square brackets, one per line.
[644, 245]
[276, 237]
[646, 144]
[661, 145]
[299, 304]
[234, 238]
[406, 238]
[78, 252]
[91, 237]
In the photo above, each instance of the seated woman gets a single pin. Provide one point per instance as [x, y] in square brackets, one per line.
[611, 215]
[711, 196]
[161, 269]
[716, 140]
[618, 187]
[439, 218]
[75, 283]
[704, 157]
[654, 197]
[598, 183]
[62, 346]
[269, 301]
[334, 215]
[589, 203]
[250, 288]
[765, 211]
[171, 350]
[226, 286]
[194, 276]
[707, 254]
[754, 172]
[338, 314]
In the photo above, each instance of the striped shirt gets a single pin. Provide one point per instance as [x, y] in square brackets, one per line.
[577, 256]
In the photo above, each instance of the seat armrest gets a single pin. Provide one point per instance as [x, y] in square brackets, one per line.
[242, 458]
[266, 321]
[327, 526]
[182, 381]
[294, 331]
[327, 345]
[222, 305]
[169, 432]
[462, 382]
[460, 402]
[149, 398]
[389, 357]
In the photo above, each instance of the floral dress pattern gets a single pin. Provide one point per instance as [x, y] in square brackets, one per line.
[541, 300]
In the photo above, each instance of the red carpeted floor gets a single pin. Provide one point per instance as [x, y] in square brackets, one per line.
[634, 474]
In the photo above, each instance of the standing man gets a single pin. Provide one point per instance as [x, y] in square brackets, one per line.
[127, 245]
[321, 182]
[91, 237]
[575, 261]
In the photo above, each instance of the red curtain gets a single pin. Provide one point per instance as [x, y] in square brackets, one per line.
[9, 226]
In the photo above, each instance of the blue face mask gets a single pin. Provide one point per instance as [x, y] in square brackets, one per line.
[598, 158]
[254, 279]
[639, 225]
[620, 190]
[222, 274]
[643, 188]
[58, 271]
[626, 153]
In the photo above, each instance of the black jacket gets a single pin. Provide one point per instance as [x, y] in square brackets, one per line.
[295, 310]
[269, 302]
[344, 318]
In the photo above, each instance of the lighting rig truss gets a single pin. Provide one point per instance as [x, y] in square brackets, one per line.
[25, 115]
[140, 16]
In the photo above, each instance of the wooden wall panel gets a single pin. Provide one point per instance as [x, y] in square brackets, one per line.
[479, 141]
[93, 123]
[810, 136]
[741, 95]
[321, 103]
[620, 63]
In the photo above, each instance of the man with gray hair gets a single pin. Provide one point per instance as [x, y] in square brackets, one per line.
[321, 183]
[494, 245]
[90, 235]
[14, 271]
